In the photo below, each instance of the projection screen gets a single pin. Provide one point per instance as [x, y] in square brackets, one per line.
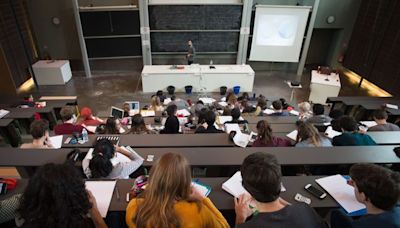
[278, 33]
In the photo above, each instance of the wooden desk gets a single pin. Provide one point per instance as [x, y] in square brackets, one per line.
[160, 140]
[224, 201]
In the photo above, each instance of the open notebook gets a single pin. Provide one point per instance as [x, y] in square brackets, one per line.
[102, 191]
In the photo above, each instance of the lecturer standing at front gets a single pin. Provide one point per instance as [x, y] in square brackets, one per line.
[191, 52]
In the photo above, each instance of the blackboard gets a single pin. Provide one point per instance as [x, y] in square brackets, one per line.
[114, 47]
[195, 17]
[203, 41]
[110, 23]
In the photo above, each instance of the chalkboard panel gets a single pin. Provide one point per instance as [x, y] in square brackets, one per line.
[110, 23]
[112, 47]
[203, 41]
[195, 17]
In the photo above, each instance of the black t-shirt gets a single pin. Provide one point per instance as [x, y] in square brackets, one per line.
[293, 216]
[171, 126]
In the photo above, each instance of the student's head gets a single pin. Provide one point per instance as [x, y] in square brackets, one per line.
[231, 98]
[245, 95]
[86, 113]
[336, 114]
[100, 165]
[264, 131]
[171, 110]
[159, 93]
[126, 107]
[235, 113]
[348, 123]
[285, 105]
[277, 105]
[376, 185]
[261, 176]
[190, 42]
[226, 111]
[210, 117]
[112, 126]
[307, 131]
[318, 109]
[173, 97]
[380, 115]
[67, 113]
[39, 129]
[169, 182]
[155, 101]
[138, 125]
[55, 197]
[262, 103]
[304, 107]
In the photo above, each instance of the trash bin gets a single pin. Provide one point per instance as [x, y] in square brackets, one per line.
[222, 90]
[236, 90]
[171, 90]
[188, 89]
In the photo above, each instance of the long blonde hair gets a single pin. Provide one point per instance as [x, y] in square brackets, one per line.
[169, 182]
[307, 131]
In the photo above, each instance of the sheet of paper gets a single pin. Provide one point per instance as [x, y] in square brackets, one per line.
[203, 189]
[183, 112]
[392, 106]
[223, 103]
[234, 185]
[167, 100]
[3, 112]
[223, 119]
[133, 112]
[292, 135]
[147, 113]
[330, 133]
[121, 130]
[232, 127]
[56, 141]
[294, 112]
[91, 128]
[369, 123]
[343, 193]
[207, 100]
[43, 98]
[268, 111]
[102, 191]
[241, 139]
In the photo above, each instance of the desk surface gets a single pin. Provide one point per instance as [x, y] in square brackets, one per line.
[224, 201]
[25, 113]
[5, 122]
[205, 69]
[385, 137]
[330, 80]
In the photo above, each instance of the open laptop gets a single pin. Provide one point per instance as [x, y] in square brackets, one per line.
[133, 105]
[117, 112]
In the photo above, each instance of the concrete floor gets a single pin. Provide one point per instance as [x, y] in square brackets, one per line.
[105, 89]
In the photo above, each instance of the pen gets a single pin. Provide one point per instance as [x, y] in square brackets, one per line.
[117, 192]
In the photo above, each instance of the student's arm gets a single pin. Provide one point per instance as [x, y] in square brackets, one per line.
[95, 214]
[125, 152]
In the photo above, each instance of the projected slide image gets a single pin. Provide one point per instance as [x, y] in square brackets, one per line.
[277, 30]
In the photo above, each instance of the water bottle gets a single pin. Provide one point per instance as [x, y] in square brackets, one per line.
[85, 135]
[211, 62]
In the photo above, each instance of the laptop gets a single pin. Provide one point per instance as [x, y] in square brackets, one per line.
[133, 105]
[117, 112]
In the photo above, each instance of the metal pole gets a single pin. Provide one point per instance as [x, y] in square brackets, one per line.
[244, 32]
[82, 43]
[145, 31]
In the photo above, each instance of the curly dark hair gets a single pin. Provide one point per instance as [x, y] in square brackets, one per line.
[55, 197]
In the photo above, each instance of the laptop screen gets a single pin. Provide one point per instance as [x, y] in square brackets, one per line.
[117, 113]
[133, 105]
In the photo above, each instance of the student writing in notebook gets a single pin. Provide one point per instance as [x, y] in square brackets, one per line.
[265, 137]
[56, 197]
[351, 135]
[379, 189]
[261, 177]
[169, 199]
[39, 130]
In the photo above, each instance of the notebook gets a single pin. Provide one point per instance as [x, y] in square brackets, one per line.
[3, 113]
[56, 141]
[205, 190]
[103, 192]
[268, 111]
[232, 127]
[182, 112]
[330, 133]
[292, 135]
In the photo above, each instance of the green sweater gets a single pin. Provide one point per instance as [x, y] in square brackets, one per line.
[353, 139]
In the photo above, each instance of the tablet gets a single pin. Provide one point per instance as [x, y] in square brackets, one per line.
[117, 112]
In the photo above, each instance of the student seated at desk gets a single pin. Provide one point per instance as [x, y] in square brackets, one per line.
[246, 108]
[380, 117]
[68, 126]
[112, 126]
[265, 137]
[40, 132]
[172, 123]
[161, 95]
[335, 122]
[180, 103]
[56, 197]
[86, 118]
[231, 100]
[262, 177]
[304, 111]
[170, 200]
[308, 136]
[110, 161]
[208, 125]
[156, 104]
[351, 135]
[378, 189]
[139, 127]
[277, 106]
[261, 106]
[235, 113]
[319, 118]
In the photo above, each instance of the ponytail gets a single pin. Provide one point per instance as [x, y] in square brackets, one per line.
[264, 131]
[100, 165]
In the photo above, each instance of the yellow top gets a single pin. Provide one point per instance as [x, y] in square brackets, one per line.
[208, 216]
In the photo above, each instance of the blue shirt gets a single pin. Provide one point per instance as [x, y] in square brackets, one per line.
[353, 139]
[306, 143]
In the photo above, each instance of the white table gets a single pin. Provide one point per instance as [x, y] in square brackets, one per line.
[201, 77]
[48, 72]
[323, 86]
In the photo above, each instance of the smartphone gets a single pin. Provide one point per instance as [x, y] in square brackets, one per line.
[315, 191]
[3, 188]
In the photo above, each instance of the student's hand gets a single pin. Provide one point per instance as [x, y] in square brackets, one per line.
[242, 208]
[94, 212]
[92, 200]
[196, 195]
[205, 125]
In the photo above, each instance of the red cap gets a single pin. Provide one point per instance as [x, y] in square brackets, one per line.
[86, 112]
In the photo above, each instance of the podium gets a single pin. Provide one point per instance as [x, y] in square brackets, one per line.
[323, 86]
